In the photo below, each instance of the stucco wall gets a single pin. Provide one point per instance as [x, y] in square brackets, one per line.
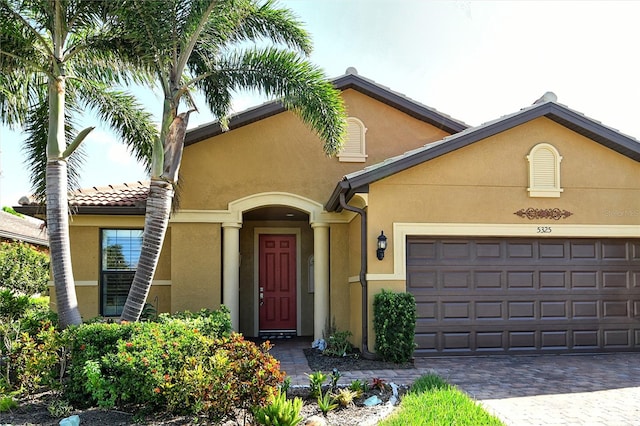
[339, 292]
[196, 266]
[280, 154]
[487, 182]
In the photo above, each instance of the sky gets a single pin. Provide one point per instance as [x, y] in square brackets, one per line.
[472, 60]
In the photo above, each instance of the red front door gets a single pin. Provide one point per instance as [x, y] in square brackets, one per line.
[277, 285]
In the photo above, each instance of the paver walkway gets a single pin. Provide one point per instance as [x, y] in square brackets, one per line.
[545, 390]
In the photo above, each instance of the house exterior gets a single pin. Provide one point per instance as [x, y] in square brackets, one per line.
[23, 229]
[521, 235]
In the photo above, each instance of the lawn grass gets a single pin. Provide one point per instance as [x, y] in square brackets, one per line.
[432, 401]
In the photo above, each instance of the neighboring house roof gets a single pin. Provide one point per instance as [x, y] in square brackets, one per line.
[124, 199]
[358, 181]
[26, 229]
[351, 80]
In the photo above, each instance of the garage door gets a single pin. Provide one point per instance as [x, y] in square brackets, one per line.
[499, 296]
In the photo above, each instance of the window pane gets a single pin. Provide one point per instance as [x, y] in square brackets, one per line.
[121, 249]
[115, 288]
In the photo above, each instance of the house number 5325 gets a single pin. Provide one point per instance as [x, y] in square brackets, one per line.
[544, 229]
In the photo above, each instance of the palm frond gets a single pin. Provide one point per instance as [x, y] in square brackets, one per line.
[123, 113]
[301, 86]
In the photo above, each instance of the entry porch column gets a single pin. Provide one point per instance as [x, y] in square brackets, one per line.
[231, 270]
[320, 277]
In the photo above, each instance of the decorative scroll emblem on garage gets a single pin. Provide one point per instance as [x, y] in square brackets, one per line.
[531, 213]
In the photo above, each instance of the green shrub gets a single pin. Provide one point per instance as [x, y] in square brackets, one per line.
[23, 270]
[338, 344]
[30, 345]
[394, 323]
[174, 365]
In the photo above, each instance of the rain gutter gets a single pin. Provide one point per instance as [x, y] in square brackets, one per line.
[363, 275]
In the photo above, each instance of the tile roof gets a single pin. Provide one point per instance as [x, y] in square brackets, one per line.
[27, 229]
[124, 195]
[126, 198]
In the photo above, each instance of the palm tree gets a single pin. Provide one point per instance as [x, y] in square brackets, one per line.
[58, 58]
[216, 47]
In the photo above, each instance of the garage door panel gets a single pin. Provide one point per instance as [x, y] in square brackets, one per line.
[520, 279]
[617, 339]
[520, 250]
[555, 340]
[554, 310]
[553, 279]
[552, 250]
[521, 296]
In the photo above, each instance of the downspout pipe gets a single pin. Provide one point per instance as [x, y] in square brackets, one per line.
[363, 275]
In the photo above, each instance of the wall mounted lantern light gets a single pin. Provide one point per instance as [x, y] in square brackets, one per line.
[382, 245]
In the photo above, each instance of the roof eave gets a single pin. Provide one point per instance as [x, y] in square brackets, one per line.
[23, 238]
[39, 211]
[239, 120]
[402, 103]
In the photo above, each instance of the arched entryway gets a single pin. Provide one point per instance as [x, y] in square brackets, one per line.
[286, 220]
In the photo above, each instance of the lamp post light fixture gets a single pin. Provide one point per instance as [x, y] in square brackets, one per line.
[382, 245]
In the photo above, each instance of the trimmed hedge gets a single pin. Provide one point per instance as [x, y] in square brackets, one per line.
[394, 322]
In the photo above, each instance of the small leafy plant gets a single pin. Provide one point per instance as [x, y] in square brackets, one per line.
[279, 411]
[326, 403]
[359, 386]
[316, 380]
[338, 344]
[378, 383]
[59, 408]
[335, 376]
[7, 403]
[344, 397]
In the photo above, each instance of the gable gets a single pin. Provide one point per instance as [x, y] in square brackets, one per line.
[279, 153]
[350, 81]
[487, 182]
[562, 116]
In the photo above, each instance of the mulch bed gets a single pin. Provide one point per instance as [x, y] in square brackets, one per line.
[351, 362]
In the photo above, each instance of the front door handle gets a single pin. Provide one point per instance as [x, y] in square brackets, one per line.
[261, 296]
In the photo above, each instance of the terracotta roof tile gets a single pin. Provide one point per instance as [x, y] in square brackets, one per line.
[124, 195]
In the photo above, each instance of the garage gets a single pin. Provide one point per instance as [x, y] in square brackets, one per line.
[520, 295]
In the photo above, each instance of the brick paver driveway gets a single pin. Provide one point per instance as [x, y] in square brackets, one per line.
[549, 389]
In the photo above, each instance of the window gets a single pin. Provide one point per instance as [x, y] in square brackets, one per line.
[120, 254]
[353, 150]
[544, 171]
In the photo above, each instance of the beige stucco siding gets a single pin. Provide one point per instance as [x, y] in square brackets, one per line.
[486, 182]
[339, 269]
[196, 266]
[281, 154]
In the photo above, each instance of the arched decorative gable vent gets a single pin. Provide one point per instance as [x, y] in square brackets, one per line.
[544, 171]
[354, 146]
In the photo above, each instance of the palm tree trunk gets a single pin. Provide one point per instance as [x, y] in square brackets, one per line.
[58, 208]
[155, 227]
[58, 229]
